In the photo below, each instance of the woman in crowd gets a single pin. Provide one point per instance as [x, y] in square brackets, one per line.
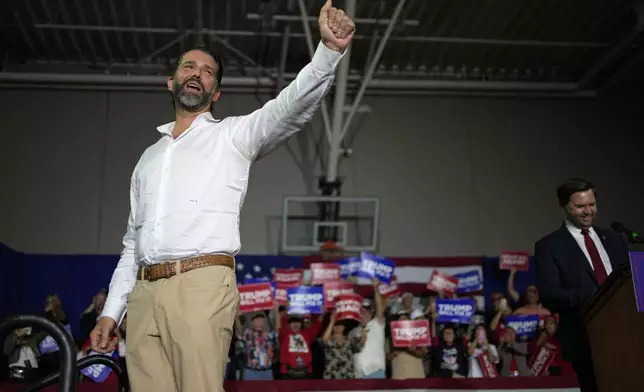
[480, 345]
[406, 363]
[50, 362]
[530, 303]
[339, 349]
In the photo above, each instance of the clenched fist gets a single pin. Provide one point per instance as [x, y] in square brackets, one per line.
[101, 336]
[336, 28]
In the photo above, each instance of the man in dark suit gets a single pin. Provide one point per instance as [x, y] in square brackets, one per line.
[571, 264]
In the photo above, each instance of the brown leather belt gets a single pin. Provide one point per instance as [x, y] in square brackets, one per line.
[169, 269]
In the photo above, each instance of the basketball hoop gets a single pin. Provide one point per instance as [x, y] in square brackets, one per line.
[330, 250]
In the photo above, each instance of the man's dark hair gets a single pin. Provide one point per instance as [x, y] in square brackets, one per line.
[219, 72]
[570, 187]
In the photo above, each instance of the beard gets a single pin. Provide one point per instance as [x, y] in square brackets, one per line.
[191, 100]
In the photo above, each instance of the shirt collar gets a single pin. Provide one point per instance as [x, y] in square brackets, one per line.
[576, 231]
[166, 129]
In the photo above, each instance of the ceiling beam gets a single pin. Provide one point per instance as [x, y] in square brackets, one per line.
[248, 33]
[616, 52]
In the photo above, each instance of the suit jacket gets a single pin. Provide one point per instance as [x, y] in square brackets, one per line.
[566, 280]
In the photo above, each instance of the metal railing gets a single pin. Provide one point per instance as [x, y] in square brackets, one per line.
[67, 375]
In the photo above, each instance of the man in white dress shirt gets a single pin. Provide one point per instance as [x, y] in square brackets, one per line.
[571, 263]
[176, 273]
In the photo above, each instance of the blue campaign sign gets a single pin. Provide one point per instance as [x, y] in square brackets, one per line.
[525, 325]
[374, 266]
[469, 281]
[349, 267]
[49, 345]
[98, 373]
[455, 310]
[305, 300]
[637, 268]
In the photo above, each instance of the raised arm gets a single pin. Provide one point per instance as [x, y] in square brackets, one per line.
[260, 132]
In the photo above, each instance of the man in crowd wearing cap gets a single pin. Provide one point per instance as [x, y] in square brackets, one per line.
[260, 343]
[370, 362]
[295, 346]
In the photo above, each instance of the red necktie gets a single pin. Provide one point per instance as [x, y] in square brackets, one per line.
[598, 266]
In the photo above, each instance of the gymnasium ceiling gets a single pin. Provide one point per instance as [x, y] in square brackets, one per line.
[573, 47]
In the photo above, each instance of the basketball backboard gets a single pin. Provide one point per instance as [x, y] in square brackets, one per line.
[352, 223]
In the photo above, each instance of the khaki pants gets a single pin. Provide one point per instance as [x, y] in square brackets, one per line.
[179, 331]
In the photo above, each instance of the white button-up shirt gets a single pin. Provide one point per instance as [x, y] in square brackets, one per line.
[186, 193]
[579, 237]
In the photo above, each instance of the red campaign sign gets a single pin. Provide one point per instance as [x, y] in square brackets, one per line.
[440, 282]
[410, 332]
[519, 261]
[324, 272]
[391, 289]
[347, 307]
[488, 369]
[334, 289]
[292, 277]
[542, 361]
[255, 297]
[280, 292]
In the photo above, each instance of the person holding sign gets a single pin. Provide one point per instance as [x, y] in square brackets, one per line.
[370, 361]
[513, 355]
[177, 269]
[295, 341]
[571, 263]
[407, 362]
[480, 346]
[339, 350]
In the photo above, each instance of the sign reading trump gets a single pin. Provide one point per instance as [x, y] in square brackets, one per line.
[255, 297]
[305, 300]
[410, 333]
[373, 266]
[455, 310]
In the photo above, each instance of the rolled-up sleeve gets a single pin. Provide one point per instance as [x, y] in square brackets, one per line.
[124, 276]
[258, 133]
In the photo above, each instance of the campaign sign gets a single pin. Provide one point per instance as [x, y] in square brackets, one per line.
[333, 289]
[99, 372]
[349, 267]
[373, 266]
[49, 345]
[347, 307]
[280, 292]
[542, 360]
[440, 282]
[637, 268]
[469, 282]
[293, 276]
[324, 272]
[390, 290]
[410, 332]
[519, 261]
[455, 310]
[305, 300]
[255, 297]
[488, 369]
[525, 325]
